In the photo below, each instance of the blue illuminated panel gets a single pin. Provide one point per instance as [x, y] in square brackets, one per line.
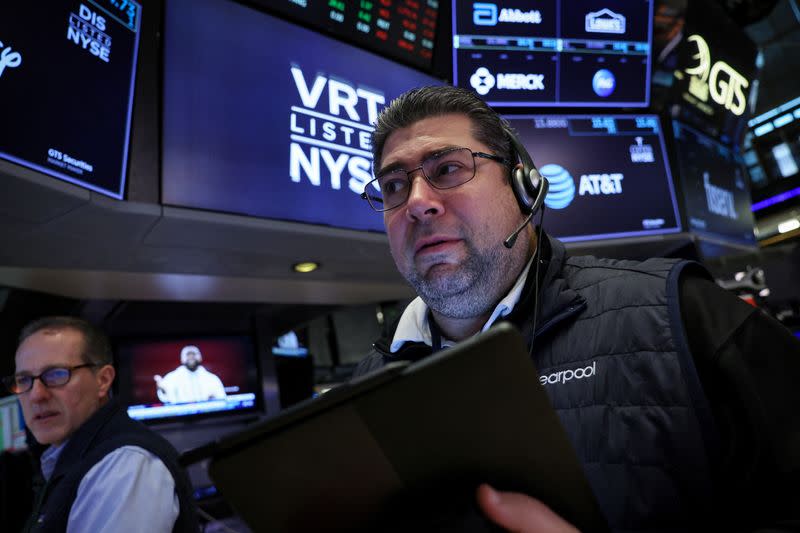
[609, 176]
[554, 52]
[66, 82]
[266, 118]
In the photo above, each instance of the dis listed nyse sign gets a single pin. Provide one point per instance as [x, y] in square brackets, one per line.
[330, 131]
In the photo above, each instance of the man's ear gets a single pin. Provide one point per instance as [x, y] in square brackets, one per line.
[105, 377]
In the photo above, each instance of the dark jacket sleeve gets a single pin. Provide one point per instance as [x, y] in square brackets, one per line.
[749, 367]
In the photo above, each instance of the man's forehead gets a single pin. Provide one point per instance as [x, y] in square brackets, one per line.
[426, 137]
[50, 347]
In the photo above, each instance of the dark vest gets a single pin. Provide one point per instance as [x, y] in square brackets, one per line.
[105, 431]
[612, 354]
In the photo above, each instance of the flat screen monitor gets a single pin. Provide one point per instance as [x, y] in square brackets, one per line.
[714, 187]
[555, 52]
[66, 82]
[188, 376]
[273, 119]
[12, 424]
[401, 29]
[609, 176]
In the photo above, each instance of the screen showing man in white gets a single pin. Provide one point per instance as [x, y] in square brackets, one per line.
[190, 382]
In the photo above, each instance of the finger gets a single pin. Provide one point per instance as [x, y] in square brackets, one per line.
[520, 513]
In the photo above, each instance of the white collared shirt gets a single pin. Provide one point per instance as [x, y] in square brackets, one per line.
[414, 326]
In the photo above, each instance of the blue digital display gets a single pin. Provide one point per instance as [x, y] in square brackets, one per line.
[265, 118]
[124, 11]
[714, 187]
[554, 52]
[609, 176]
[67, 88]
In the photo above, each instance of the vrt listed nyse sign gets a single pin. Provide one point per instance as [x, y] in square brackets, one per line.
[331, 132]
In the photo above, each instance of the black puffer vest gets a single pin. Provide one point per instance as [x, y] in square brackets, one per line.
[107, 430]
[612, 354]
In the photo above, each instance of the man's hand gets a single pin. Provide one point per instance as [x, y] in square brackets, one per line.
[520, 513]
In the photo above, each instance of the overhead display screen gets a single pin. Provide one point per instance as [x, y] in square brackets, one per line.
[714, 187]
[609, 176]
[66, 82]
[400, 29]
[265, 118]
[716, 70]
[554, 53]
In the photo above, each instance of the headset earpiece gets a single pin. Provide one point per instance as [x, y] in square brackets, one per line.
[529, 187]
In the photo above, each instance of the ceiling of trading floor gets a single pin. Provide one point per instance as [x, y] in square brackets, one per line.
[778, 36]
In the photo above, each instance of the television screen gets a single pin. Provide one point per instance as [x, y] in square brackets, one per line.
[188, 376]
[714, 186]
[609, 176]
[12, 424]
[274, 120]
[554, 53]
[403, 30]
[66, 82]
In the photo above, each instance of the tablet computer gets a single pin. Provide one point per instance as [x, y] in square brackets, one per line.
[405, 443]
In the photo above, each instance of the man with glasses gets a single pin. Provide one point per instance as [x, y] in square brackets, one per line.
[102, 470]
[687, 419]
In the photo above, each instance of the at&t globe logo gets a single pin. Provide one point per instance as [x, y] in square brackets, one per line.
[482, 81]
[562, 186]
[603, 82]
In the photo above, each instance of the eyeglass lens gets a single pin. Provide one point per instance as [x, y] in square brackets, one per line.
[52, 377]
[444, 170]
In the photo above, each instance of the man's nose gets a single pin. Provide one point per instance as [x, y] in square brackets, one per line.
[38, 391]
[424, 201]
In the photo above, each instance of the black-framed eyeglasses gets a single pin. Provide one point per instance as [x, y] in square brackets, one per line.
[443, 170]
[57, 376]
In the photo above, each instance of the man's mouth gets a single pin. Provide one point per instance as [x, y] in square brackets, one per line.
[433, 245]
[45, 416]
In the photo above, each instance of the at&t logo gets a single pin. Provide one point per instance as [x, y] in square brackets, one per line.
[562, 186]
[8, 58]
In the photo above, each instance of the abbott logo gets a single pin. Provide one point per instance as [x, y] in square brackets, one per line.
[482, 81]
[568, 375]
[9, 58]
[484, 14]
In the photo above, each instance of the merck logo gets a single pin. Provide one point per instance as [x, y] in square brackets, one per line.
[482, 81]
[563, 376]
[9, 58]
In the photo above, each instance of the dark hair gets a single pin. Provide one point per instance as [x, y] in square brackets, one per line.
[96, 346]
[424, 102]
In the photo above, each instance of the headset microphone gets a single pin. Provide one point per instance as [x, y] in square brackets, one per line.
[509, 242]
[528, 185]
[543, 186]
